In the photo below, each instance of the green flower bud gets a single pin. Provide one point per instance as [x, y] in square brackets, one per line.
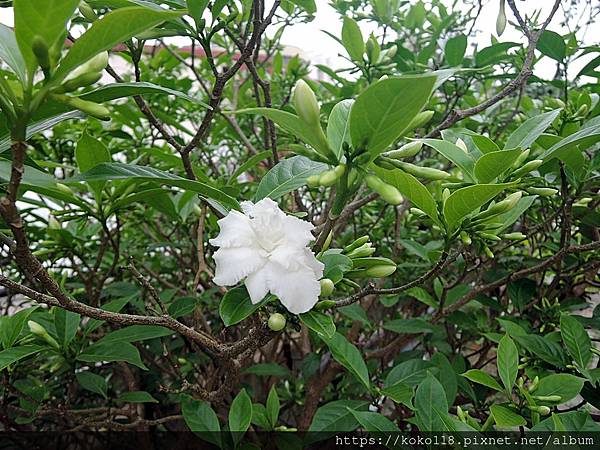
[543, 410]
[324, 304]
[514, 236]
[327, 287]
[582, 111]
[583, 201]
[424, 172]
[373, 49]
[534, 384]
[530, 166]
[313, 181]
[488, 236]
[461, 144]
[53, 224]
[500, 207]
[86, 11]
[380, 271]
[328, 178]
[40, 50]
[276, 322]
[406, 151]
[91, 108]
[555, 102]
[522, 158]
[64, 188]
[465, 238]
[306, 103]
[41, 332]
[197, 210]
[542, 191]
[357, 243]
[391, 52]
[488, 252]
[387, 192]
[501, 20]
[548, 398]
[420, 120]
[362, 251]
[96, 64]
[82, 80]
[418, 212]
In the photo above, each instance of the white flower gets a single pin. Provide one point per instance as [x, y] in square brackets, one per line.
[269, 249]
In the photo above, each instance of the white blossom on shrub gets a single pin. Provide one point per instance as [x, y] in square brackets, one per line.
[268, 249]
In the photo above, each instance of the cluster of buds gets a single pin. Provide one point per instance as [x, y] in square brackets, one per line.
[364, 265]
[327, 177]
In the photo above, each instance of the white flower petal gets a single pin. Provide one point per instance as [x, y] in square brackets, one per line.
[298, 290]
[257, 284]
[236, 231]
[234, 264]
[297, 231]
[312, 262]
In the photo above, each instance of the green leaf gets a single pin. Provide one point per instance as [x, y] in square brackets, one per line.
[201, 419]
[542, 348]
[92, 382]
[489, 166]
[455, 49]
[137, 397]
[466, 200]
[385, 109]
[287, 176]
[240, 415]
[236, 306]
[249, 164]
[481, 377]
[196, 9]
[320, 323]
[412, 189]
[507, 360]
[134, 333]
[576, 340]
[453, 153]
[272, 406]
[566, 385]
[12, 326]
[66, 324]
[121, 171]
[422, 295]
[31, 178]
[47, 19]
[553, 45]
[113, 28]
[352, 39]
[531, 129]
[411, 372]
[182, 306]
[10, 53]
[338, 127]
[268, 370]
[119, 90]
[108, 351]
[430, 396]
[446, 376]
[348, 356]
[588, 135]
[505, 417]
[89, 153]
[373, 421]
[293, 125]
[14, 354]
[411, 326]
[335, 417]
[400, 393]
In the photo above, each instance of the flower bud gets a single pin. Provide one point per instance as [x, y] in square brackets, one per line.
[514, 236]
[53, 224]
[522, 158]
[530, 166]
[327, 287]
[461, 144]
[64, 188]
[276, 322]
[488, 236]
[424, 172]
[82, 80]
[387, 192]
[313, 181]
[406, 151]
[91, 108]
[96, 64]
[41, 332]
[373, 49]
[488, 252]
[465, 238]
[534, 384]
[543, 410]
[357, 243]
[542, 191]
[391, 52]
[548, 398]
[40, 50]
[418, 212]
[362, 251]
[324, 304]
[306, 103]
[582, 111]
[380, 271]
[86, 11]
[501, 20]
[420, 120]
[328, 178]
[500, 207]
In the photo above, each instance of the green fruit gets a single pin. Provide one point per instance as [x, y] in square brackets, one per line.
[276, 322]
[548, 398]
[327, 287]
[306, 103]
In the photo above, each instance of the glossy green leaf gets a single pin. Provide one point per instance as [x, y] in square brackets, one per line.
[348, 356]
[121, 171]
[272, 406]
[384, 110]
[66, 324]
[455, 49]
[12, 326]
[374, 422]
[137, 397]
[338, 127]
[335, 417]
[506, 418]
[47, 19]
[481, 377]
[565, 385]
[586, 136]
[236, 306]
[453, 153]
[464, 201]
[489, 166]
[353, 39]
[201, 419]
[108, 351]
[287, 176]
[10, 53]
[400, 393]
[113, 28]
[528, 132]
[507, 361]
[430, 396]
[240, 415]
[134, 333]
[268, 370]
[92, 382]
[14, 354]
[320, 323]
[552, 44]
[412, 189]
[576, 340]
